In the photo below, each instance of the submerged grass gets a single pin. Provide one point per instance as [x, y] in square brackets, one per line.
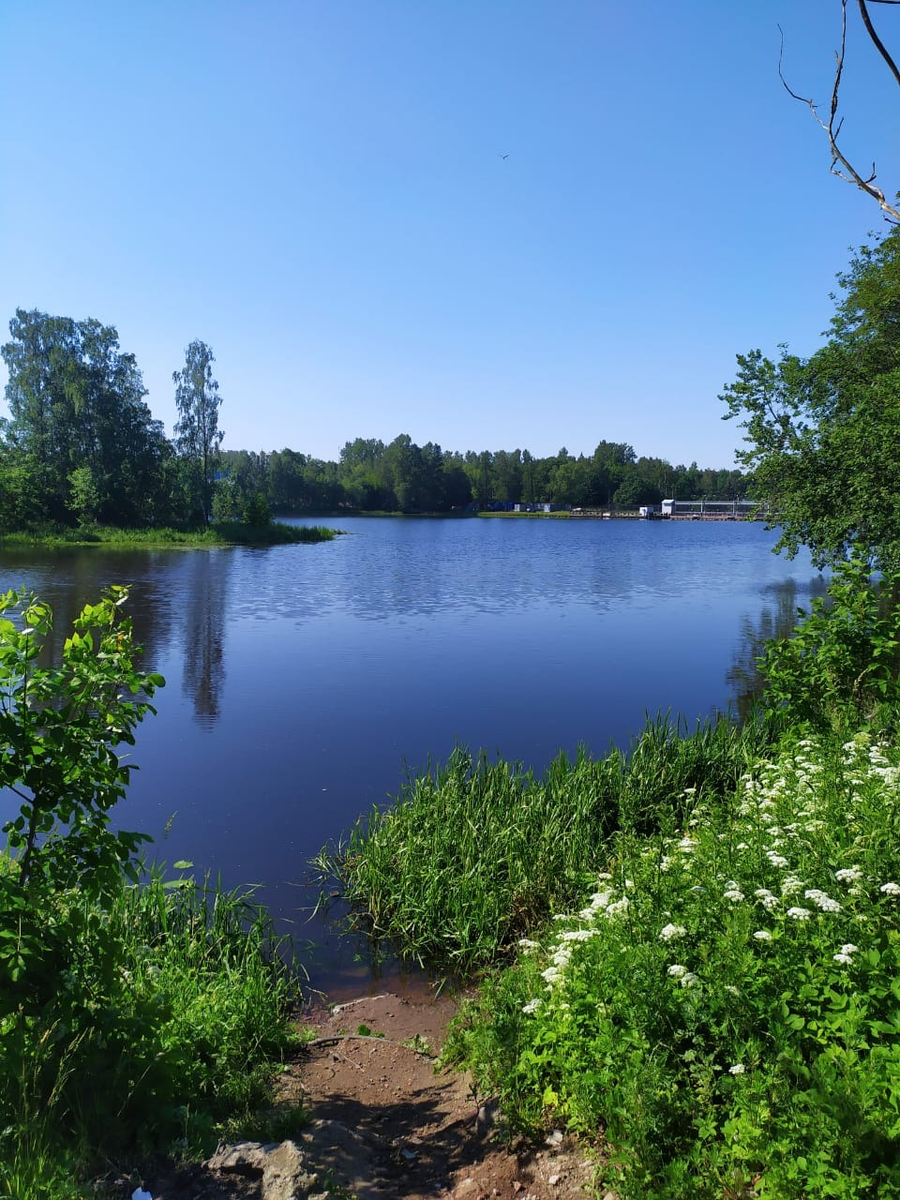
[476, 854]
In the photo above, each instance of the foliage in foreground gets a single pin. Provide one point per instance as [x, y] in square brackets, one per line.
[129, 1013]
[477, 853]
[725, 1004]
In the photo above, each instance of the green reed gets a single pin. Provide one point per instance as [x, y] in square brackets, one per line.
[475, 854]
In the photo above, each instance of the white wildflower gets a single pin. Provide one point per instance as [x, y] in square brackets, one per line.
[737, 1069]
[668, 932]
[577, 935]
[735, 895]
[617, 908]
[799, 914]
[528, 944]
[763, 935]
[823, 901]
[677, 971]
[777, 860]
[848, 874]
[531, 1007]
[890, 889]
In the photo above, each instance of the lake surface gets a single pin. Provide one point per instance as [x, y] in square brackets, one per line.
[301, 679]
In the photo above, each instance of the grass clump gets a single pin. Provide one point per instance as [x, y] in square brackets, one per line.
[476, 854]
[162, 1016]
[723, 1004]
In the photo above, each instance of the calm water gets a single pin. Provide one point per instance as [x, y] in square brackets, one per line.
[301, 679]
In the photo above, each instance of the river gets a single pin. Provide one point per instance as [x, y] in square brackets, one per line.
[301, 680]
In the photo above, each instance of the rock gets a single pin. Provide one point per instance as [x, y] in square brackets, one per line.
[555, 1137]
[553, 1180]
[283, 1166]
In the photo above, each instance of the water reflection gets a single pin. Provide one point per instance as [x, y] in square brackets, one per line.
[777, 618]
[205, 592]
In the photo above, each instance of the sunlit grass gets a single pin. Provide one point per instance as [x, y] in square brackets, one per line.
[723, 1003]
[476, 854]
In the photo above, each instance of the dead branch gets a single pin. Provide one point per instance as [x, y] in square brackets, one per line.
[840, 164]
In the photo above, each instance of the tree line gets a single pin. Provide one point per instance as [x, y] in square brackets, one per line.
[404, 477]
[81, 446]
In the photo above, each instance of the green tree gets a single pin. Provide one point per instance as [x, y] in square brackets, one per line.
[197, 433]
[823, 433]
[76, 404]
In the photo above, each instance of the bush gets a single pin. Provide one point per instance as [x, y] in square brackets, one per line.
[723, 1006]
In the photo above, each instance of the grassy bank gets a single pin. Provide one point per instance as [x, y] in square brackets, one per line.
[721, 1005]
[689, 954]
[476, 854]
[223, 533]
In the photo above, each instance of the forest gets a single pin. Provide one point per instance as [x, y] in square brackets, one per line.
[81, 446]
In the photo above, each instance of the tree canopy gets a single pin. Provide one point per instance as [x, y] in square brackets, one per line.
[85, 438]
[823, 433]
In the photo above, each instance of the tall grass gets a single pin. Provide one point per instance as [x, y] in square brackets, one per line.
[170, 1008]
[475, 854]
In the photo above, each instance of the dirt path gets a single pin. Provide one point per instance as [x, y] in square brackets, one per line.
[385, 1127]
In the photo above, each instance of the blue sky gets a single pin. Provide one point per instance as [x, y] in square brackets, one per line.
[316, 189]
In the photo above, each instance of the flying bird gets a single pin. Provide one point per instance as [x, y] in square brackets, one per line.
[503, 156]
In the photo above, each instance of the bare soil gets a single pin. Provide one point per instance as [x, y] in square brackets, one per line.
[385, 1126]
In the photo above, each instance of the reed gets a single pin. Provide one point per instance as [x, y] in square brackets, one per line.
[476, 854]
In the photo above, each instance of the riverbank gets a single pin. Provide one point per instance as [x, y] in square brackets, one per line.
[221, 533]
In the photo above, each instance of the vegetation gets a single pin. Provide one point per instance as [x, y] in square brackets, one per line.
[823, 433]
[404, 477]
[131, 1013]
[197, 434]
[474, 855]
[221, 533]
[82, 449]
[722, 1003]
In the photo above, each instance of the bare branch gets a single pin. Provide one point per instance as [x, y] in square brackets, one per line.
[840, 164]
[876, 40]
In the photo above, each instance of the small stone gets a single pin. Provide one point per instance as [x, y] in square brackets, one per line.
[518, 1187]
[553, 1180]
[555, 1137]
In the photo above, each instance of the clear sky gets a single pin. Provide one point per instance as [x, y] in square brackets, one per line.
[317, 189]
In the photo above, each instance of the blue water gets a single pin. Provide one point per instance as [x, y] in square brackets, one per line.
[301, 679]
